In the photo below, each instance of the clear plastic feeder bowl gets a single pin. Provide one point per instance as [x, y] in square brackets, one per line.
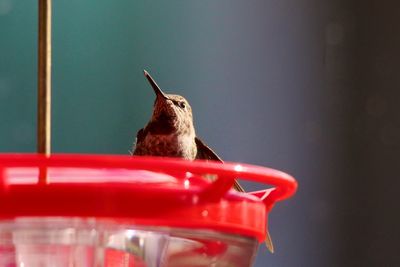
[121, 211]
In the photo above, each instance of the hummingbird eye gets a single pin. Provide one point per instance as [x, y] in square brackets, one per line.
[182, 104]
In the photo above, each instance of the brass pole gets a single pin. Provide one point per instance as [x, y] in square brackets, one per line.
[44, 78]
[44, 83]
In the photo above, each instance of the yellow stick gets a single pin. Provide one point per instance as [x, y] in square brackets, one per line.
[44, 83]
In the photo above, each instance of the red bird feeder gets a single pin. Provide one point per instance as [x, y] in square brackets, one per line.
[131, 211]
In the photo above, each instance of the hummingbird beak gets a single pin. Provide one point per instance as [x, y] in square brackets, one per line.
[154, 85]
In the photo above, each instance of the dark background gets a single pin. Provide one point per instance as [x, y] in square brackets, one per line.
[308, 87]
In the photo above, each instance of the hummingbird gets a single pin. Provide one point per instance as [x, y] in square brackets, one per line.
[171, 133]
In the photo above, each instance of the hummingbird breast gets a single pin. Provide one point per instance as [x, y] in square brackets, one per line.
[172, 145]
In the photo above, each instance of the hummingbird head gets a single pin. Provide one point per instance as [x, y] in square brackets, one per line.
[173, 111]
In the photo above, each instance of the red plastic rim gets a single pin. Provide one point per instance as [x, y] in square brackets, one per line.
[141, 190]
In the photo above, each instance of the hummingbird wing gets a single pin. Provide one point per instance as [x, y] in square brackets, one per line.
[205, 152]
[141, 134]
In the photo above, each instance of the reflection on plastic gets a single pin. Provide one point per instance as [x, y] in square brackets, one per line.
[59, 242]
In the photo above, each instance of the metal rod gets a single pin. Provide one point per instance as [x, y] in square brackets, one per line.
[44, 78]
[44, 83]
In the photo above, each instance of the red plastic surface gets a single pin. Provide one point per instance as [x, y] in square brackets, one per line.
[140, 190]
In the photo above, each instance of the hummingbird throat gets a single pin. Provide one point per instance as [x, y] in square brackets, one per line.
[162, 125]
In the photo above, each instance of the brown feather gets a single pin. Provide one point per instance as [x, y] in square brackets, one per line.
[205, 152]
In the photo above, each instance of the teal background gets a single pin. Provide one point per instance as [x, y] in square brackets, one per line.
[308, 87]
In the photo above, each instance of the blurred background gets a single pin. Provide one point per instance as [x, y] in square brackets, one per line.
[308, 87]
